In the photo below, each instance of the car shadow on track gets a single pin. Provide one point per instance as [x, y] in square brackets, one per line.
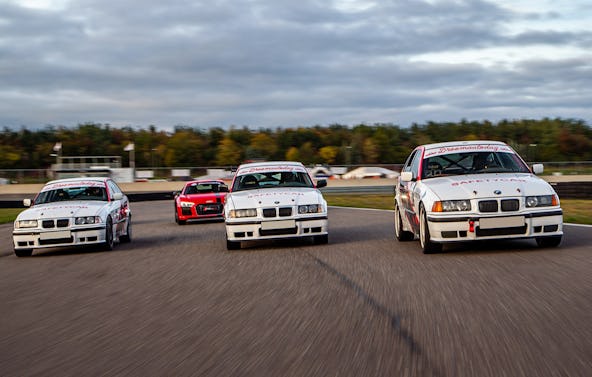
[282, 244]
[493, 246]
[62, 251]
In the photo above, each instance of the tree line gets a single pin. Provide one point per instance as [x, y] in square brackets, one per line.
[544, 139]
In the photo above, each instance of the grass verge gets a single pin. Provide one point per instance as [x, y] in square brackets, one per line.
[7, 215]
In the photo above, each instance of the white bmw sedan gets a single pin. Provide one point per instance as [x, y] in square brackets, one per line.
[73, 212]
[474, 190]
[270, 200]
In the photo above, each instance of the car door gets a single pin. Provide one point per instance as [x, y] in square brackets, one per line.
[408, 191]
[117, 207]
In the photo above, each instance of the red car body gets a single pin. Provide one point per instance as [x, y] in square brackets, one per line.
[199, 200]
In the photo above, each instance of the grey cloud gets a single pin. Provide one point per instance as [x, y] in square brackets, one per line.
[268, 63]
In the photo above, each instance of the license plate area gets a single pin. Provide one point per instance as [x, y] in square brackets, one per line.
[501, 222]
[54, 235]
[281, 224]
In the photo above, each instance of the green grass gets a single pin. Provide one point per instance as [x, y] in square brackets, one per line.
[378, 201]
[7, 215]
[577, 211]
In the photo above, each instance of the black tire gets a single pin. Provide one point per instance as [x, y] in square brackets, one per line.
[551, 241]
[233, 245]
[402, 235]
[180, 222]
[127, 237]
[109, 239]
[427, 245]
[23, 252]
[321, 240]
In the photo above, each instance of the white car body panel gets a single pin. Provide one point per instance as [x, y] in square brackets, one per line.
[503, 196]
[276, 208]
[56, 225]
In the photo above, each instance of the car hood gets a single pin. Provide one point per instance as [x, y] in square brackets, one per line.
[273, 197]
[65, 209]
[488, 185]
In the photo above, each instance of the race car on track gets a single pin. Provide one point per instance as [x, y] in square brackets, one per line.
[199, 200]
[474, 190]
[270, 200]
[73, 212]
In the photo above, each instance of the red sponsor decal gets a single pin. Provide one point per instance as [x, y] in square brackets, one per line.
[267, 169]
[467, 148]
[58, 185]
[269, 194]
[62, 207]
[470, 181]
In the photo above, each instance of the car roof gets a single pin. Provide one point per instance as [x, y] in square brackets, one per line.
[79, 179]
[271, 164]
[462, 142]
[197, 181]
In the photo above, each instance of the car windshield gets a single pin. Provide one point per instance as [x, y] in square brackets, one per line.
[205, 188]
[472, 163]
[71, 193]
[271, 180]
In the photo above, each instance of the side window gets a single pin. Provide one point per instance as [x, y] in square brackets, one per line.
[113, 188]
[415, 163]
[407, 166]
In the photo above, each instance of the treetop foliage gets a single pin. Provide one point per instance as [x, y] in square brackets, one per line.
[536, 140]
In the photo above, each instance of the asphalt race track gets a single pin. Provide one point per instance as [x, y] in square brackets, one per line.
[174, 302]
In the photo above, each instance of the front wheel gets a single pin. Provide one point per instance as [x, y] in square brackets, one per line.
[321, 240]
[551, 241]
[233, 245]
[23, 252]
[427, 245]
[109, 240]
[401, 234]
[180, 222]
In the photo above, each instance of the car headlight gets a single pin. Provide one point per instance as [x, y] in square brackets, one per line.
[541, 201]
[310, 208]
[186, 204]
[451, 206]
[26, 224]
[249, 212]
[87, 220]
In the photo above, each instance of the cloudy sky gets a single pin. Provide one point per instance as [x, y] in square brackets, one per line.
[285, 63]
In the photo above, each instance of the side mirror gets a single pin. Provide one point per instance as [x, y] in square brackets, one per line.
[117, 196]
[321, 183]
[27, 202]
[538, 168]
[406, 176]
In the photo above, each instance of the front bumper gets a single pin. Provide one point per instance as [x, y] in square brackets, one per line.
[200, 211]
[525, 225]
[40, 238]
[250, 230]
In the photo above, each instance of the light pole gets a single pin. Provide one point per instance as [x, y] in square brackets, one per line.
[533, 157]
[348, 157]
[132, 163]
[57, 148]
